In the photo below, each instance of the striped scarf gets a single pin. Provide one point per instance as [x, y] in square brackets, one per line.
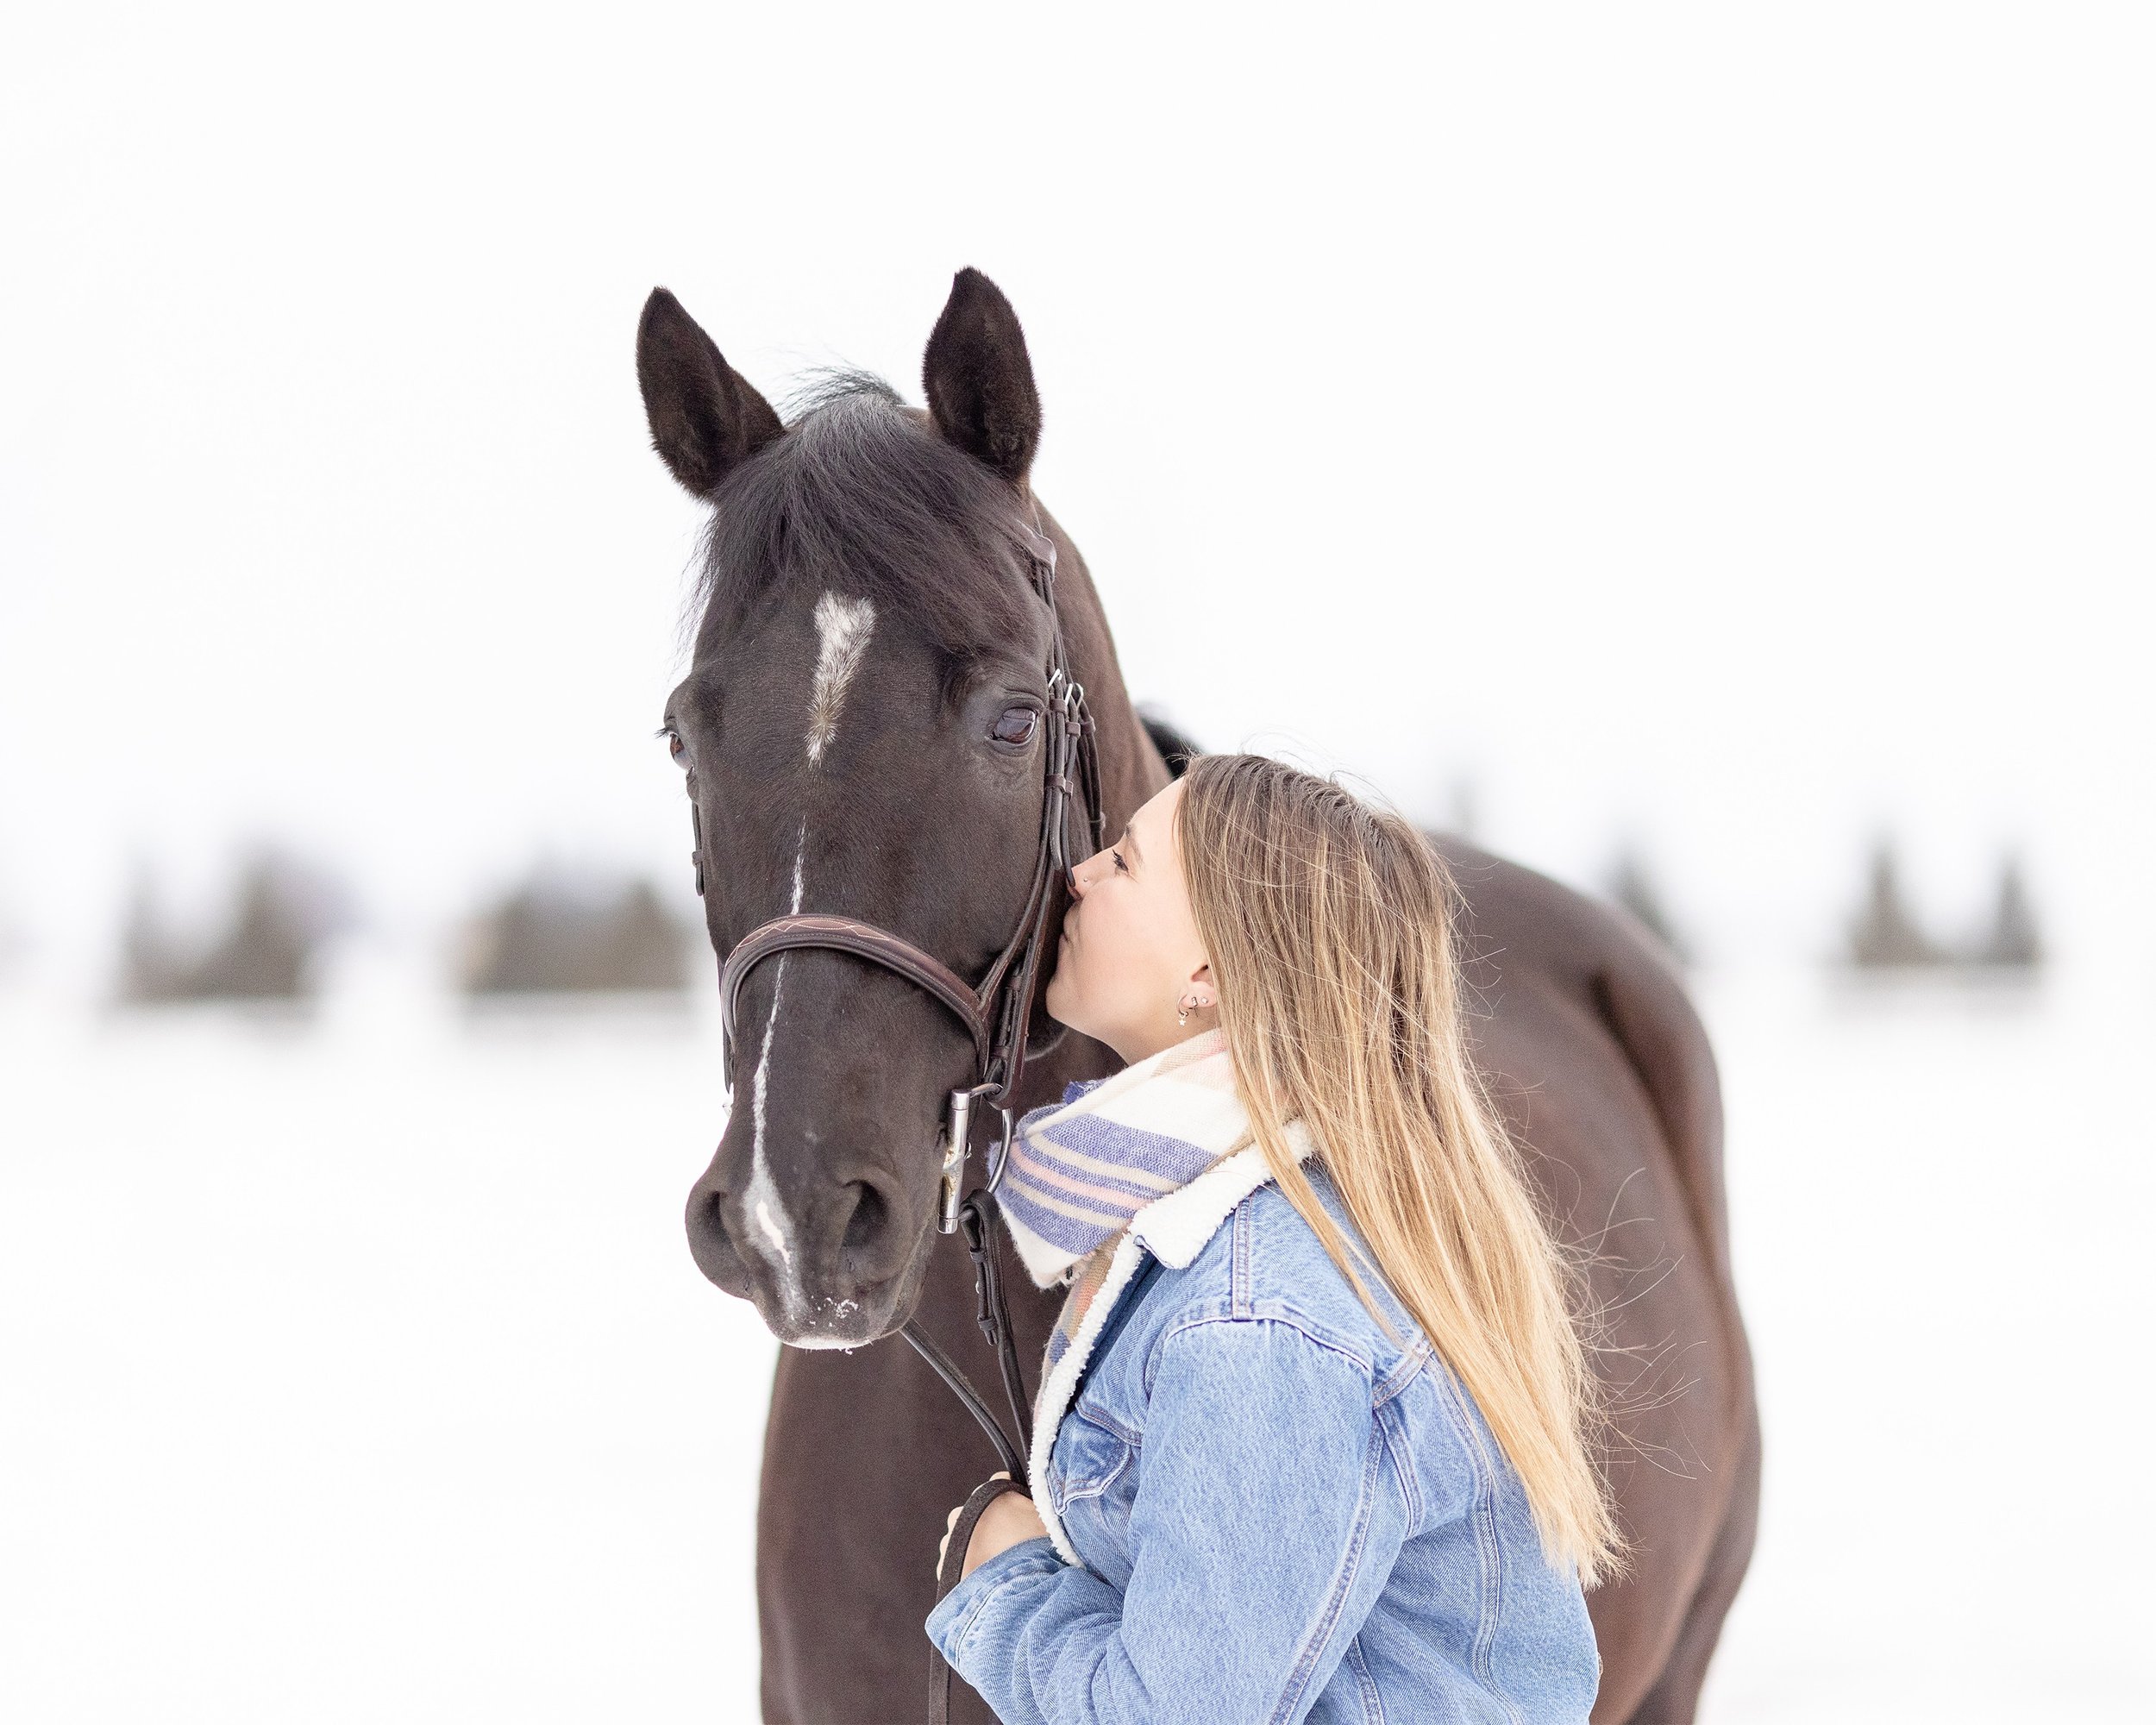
[1079, 1169]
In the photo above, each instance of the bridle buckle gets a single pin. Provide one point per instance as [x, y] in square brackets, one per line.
[957, 1143]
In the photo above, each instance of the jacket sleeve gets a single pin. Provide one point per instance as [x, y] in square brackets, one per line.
[1265, 1522]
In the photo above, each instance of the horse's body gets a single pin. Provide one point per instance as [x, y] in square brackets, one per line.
[866, 768]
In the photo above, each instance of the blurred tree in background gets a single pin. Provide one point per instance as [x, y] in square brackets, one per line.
[1886, 935]
[555, 933]
[1632, 887]
[282, 911]
[2013, 939]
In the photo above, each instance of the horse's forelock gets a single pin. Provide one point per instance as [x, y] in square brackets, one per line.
[862, 496]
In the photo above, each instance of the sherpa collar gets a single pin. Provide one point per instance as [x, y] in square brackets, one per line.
[1173, 1229]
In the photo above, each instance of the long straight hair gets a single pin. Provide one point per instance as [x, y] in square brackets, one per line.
[1328, 925]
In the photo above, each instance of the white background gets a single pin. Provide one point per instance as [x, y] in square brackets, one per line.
[1717, 429]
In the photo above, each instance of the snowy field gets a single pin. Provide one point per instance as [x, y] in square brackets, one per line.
[355, 1369]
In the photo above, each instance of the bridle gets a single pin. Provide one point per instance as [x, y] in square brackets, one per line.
[996, 1011]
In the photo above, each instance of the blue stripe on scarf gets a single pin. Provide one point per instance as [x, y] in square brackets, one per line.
[1067, 1232]
[1172, 1159]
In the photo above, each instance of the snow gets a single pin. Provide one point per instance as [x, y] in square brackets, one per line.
[361, 1372]
[355, 1367]
[1940, 1197]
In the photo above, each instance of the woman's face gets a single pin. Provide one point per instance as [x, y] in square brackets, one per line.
[1130, 958]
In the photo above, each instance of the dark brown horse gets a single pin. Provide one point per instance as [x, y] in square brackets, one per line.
[860, 731]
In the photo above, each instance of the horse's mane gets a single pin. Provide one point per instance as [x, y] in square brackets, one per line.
[861, 494]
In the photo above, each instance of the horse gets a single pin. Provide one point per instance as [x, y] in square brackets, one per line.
[860, 729]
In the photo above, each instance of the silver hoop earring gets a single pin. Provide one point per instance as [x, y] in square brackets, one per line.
[1182, 1013]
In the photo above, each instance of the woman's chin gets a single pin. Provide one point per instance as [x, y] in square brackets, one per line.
[1057, 1008]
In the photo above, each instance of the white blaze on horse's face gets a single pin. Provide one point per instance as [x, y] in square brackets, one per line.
[841, 637]
[842, 628]
[761, 1200]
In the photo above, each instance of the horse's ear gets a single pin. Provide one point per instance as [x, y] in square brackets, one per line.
[980, 382]
[706, 419]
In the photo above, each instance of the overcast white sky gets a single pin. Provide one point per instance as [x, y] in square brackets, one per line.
[1727, 427]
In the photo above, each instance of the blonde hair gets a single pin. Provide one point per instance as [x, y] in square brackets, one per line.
[1328, 925]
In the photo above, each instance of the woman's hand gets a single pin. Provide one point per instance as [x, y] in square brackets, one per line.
[1010, 1520]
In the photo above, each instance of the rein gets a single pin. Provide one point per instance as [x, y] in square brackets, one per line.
[996, 1011]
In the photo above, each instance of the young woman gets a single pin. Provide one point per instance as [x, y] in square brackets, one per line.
[1313, 1436]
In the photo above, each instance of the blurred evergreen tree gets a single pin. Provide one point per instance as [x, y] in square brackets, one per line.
[1885, 935]
[2014, 939]
[553, 935]
[150, 964]
[281, 912]
[1632, 887]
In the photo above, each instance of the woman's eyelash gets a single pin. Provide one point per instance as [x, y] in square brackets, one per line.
[1120, 863]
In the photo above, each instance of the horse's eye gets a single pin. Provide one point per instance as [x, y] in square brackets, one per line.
[1016, 726]
[676, 748]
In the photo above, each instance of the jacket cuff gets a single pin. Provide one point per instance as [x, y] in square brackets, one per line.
[952, 1621]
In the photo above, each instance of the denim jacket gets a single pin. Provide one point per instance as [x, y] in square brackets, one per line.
[1260, 1507]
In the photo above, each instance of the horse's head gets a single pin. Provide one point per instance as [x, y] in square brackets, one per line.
[862, 732]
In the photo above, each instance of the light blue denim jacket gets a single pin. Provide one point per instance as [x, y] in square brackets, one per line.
[1262, 1509]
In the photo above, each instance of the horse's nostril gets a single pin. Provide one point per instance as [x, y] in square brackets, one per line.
[706, 1215]
[869, 1222]
[708, 1244]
